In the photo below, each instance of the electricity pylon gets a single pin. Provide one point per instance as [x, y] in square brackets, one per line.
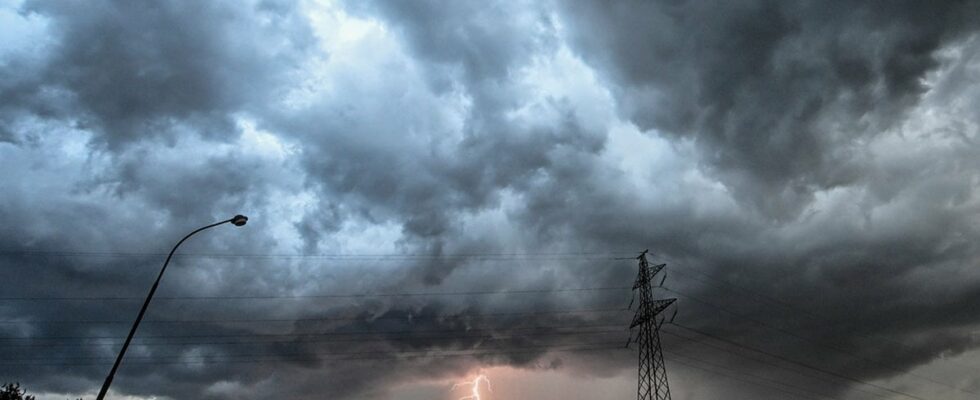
[652, 383]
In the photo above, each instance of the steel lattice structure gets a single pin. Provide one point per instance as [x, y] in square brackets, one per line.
[652, 383]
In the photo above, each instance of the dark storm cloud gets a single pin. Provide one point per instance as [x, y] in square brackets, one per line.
[85, 224]
[860, 274]
[782, 100]
[155, 84]
[777, 94]
[778, 97]
[133, 70]
[436, 141]
[479, 48]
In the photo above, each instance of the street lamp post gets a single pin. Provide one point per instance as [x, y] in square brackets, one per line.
[237, 220]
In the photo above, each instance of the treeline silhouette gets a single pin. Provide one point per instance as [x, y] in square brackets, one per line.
[13, 391]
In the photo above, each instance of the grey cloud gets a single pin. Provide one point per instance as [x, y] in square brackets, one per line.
[777, 94]
[146, 81]
[485, 41]
[862, 269]
[131, 70]
[424, 184]
[781, 107]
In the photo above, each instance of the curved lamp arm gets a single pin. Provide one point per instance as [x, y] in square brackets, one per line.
[237, 220]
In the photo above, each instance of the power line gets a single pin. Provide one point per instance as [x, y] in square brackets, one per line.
[728, 372]
[321, 319]
[604, 346]
[799, 363]
[790, 306]
[769, 363]
[388, 337]
[326, 333]
[319, 296]
[560, 339]
[345, 353]
[826, 346]
[329, 256]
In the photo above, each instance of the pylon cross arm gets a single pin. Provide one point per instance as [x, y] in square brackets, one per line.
[645, 313]
[656, 268]
[658, 306]
[642, 279]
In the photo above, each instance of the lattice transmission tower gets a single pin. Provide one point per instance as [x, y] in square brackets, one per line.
[645, 332]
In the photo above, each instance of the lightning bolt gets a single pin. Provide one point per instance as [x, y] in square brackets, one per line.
[474, 386]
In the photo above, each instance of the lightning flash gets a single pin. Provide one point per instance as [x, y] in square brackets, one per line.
[474, 387]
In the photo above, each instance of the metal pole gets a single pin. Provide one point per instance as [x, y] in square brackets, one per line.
[652, 374]
[238, 220]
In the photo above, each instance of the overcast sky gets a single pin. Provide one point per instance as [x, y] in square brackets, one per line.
[809, 171]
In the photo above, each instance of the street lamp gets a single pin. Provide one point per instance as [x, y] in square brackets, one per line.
[238, 220]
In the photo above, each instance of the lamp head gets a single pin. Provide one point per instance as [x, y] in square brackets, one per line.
[239, 220]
